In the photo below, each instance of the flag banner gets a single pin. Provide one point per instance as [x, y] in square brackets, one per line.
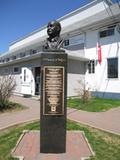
[99, 53]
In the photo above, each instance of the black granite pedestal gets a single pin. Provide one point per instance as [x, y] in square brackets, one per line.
[53, 102]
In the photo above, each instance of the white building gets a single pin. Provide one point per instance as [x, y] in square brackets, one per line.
[97, 23]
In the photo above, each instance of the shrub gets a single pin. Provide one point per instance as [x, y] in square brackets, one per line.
[7, 85]
[83, 92]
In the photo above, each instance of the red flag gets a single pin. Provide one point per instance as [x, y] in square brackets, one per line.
[99, 54]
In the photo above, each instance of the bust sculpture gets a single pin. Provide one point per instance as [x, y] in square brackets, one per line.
[54, 41]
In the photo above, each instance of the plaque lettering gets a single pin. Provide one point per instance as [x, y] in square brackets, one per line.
[53, 90]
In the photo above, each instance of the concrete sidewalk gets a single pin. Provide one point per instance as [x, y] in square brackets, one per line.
[29, 114]
[107, 121]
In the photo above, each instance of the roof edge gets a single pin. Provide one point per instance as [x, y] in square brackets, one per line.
[62, 18]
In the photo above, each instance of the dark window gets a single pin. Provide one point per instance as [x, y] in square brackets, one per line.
[7, 59]
[13, 57]
[16, 69]
[33, 51]
[91, 66]
[106, 33]
[24, 75]
[112, 67]
[66, 42]
[22, 54]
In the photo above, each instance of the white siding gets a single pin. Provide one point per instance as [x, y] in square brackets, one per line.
[73, 85]
[76, 73]
[110, 49]
[90, 52]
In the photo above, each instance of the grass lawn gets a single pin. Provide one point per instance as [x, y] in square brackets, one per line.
[12, 107]
[105, 145]
[94, 105]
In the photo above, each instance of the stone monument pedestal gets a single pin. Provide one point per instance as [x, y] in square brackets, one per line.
[53, 102]
[77, 147]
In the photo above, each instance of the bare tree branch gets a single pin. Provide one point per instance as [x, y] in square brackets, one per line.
[7, 85]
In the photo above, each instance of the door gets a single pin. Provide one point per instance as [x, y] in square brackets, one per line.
[37, 81]
[26, 81]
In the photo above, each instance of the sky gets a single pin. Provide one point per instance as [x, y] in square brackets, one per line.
[21, 17]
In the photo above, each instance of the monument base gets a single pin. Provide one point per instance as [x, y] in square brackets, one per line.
[28, 147]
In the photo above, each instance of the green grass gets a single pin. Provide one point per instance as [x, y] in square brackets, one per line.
[94, 105]
[9, 137]
[12, 107]
[105, 145]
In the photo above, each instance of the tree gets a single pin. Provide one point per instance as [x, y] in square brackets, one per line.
[7, 85]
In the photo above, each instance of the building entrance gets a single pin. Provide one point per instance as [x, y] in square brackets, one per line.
[37, 81]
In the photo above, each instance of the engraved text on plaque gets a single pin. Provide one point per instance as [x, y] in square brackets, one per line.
[53, 88]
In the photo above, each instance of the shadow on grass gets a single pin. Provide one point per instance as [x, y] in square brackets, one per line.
[11, 107]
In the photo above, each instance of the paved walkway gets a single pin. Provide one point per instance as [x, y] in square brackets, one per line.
[108, 121]
[32, 113]
[77, 147]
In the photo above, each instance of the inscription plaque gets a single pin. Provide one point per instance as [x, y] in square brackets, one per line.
[53, 88]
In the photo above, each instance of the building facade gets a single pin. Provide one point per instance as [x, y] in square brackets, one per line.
[91, 39]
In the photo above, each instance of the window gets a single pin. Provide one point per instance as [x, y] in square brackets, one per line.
[106, 33]
[33, 51]
[7, 59]
[24, 75]
[66, 42]
[13, 57]
[16, 70]
[91, 66]
[112, 65]
[22, 54]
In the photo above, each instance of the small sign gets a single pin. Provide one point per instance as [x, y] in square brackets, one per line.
[53, 90]
[75, 40]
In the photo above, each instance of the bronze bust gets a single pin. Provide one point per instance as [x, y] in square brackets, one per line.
[54, 41]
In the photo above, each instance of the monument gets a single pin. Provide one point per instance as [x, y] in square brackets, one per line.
[53, 92]
[53, 110]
